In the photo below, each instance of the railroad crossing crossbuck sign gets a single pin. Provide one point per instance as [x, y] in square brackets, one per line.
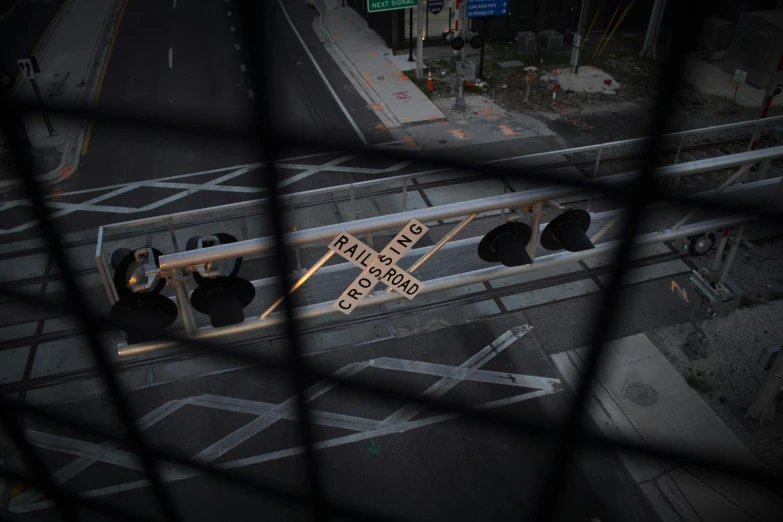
[378, 267]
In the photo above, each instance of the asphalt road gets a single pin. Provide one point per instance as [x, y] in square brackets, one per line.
[186, 64]
[452, 469]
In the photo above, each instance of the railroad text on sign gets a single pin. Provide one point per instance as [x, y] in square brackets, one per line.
[378, 267]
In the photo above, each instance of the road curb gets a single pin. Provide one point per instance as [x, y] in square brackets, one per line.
[354, 76]
[77, 127]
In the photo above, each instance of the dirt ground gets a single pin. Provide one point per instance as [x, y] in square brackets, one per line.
[581, 118]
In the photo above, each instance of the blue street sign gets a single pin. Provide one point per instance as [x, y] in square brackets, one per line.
[435, 6]
[486, 8]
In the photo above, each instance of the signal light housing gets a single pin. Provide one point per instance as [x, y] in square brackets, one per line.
[506, 244]
[223, 299]
[568, 231]
[225, 267]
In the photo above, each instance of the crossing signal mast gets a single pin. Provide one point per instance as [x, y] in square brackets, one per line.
[458, 39]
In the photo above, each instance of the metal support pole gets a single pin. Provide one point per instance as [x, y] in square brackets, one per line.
[732, 253]
[483, 45]
[535, 221]
[170, 223]
[180, 284]
[448, 237]
[302, 280]
[47, 121]
[597, 162]
[410, 34]
[505, 191]
[601, 233]
[726, 184]
[580, 37]
[780, 193]
[421, 20]
[721, 247]
[461, 24]
[679, 149]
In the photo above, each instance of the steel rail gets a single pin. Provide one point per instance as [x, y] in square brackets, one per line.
[445, 283]
[299, 238]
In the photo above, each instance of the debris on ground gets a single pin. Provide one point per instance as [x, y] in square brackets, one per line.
[589, 80]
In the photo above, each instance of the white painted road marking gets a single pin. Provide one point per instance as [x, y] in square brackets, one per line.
[188, 188]
[171, 57]
[251, 94]
[242, 67]
[464, 371]
[323, 77]
[233, 29]
[174, 3]
[267, 414]
[236, 46]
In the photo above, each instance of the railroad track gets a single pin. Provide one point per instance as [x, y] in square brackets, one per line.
[184, 354]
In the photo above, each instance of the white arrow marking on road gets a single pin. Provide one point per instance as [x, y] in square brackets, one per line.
[171, 57]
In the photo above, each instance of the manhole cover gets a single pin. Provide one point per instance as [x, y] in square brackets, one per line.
[641, 394]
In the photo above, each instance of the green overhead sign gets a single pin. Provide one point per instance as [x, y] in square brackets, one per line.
[376, 6]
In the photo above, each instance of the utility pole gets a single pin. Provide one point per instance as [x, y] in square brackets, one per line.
[422, 16]
[410, 35]
[580, 36]
[460, 27]
[540, 20]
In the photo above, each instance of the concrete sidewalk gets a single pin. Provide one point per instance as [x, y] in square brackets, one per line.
[640, 396]
[71, 58]
[366, 59]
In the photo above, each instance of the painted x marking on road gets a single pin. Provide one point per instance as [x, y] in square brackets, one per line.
[268, 414]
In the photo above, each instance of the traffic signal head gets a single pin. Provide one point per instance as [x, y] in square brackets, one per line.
[225, 267]
[701, 244]
[506, 244]
[457, 43]
[140, 305]
[474, 39]
[148, 313]
[131, 268]
[448, 36]
[567, 231]
[223, 299]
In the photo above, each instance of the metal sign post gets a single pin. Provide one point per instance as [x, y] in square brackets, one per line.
[378, 267]
[28, 67]
[739, 77]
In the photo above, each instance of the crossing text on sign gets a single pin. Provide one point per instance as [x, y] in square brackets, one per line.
[378, 267]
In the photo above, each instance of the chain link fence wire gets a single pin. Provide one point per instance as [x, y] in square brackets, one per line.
[258, 36]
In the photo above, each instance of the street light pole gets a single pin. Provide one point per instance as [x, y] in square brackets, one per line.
[410, 35]
[420, 19]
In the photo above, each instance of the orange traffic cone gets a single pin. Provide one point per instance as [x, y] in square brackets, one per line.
[430, 84]
[554, 90]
